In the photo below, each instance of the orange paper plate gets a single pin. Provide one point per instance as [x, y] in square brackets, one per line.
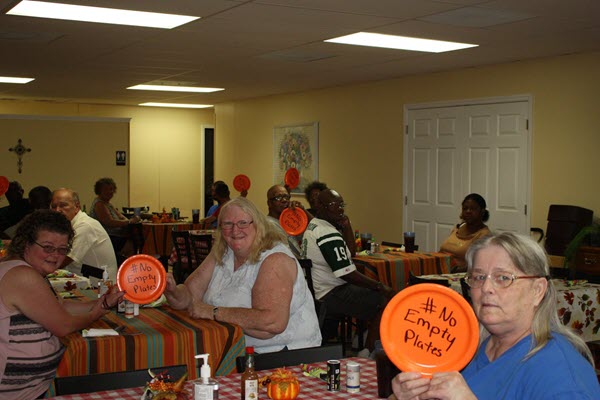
[294, 221]
[292, 178]
[241, 183]
[143, 278]
[429, 328]
[3, 185]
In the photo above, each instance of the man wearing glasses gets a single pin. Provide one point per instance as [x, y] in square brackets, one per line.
[278, 199]
[91, 244]
[337, 282]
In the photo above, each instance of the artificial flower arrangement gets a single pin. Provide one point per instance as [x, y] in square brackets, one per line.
[162, 387]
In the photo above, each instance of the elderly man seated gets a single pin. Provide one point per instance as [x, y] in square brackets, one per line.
[343, 289]
[91, 244]
[278, 199]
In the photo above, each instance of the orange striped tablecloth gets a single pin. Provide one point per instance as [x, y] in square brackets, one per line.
[392, 268]
[158, 238]
[156, 337]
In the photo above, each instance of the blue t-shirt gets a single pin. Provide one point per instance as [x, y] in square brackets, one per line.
[211, 211]
[557, 371]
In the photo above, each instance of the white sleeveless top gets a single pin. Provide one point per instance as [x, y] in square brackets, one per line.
[229, 288]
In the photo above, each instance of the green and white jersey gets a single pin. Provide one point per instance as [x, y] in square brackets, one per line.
[331, 259]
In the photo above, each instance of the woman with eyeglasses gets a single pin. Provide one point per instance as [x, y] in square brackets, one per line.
[32, 317]
[529, 353]
[252, 279]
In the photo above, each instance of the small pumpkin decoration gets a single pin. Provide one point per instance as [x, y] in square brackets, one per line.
[283, 385]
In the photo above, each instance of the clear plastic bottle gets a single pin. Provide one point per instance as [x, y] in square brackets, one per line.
[105, 284]
[249, 383]
[205, 388]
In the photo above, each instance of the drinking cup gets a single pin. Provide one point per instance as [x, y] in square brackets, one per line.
[137, 211]
[365, 241]
[196, 215]
[409, 242]
[386, 371]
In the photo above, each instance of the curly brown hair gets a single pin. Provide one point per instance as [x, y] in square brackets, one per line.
[36, 222]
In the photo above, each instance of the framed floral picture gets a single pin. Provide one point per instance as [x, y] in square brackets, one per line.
[296, 146]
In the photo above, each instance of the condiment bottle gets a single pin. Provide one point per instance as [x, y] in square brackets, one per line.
[249, 382]
[205, 388]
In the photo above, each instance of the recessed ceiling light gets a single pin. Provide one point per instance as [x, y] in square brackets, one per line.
[168, 88]
[178, 105]
[12, 79]
[40, 9]
[399, 42]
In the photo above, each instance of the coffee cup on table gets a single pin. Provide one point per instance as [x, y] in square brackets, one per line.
[196, 215]
[409, 242]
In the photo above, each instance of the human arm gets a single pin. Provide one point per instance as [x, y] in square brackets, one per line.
[23, 289]
[106, 218]
[448, 386]
[409, 386]
[271, 298]
[113, 298]
[359, 279]
[192, 290]
[348, 234]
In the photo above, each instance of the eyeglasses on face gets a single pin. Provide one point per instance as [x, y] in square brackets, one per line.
[283, 197]
[49, 249]
[335, 204]
[500, 280]
[227, 226]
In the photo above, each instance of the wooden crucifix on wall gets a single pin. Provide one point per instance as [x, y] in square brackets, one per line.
[19, 150]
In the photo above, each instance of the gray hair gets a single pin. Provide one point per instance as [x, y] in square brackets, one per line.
[529, 258]
[267, 234]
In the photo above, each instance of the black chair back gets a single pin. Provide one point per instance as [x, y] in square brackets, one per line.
[183, 267]
[136, 232]
[288, 358]
[113, 380]
[391, 244]
[320, 309]
[466, 290]
[88, 270]
[201, 244]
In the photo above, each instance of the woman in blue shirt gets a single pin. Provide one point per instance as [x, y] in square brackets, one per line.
[529, 353]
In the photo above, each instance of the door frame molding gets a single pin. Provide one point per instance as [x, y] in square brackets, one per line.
[528, 98]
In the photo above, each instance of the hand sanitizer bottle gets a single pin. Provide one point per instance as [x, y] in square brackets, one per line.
[105, 284]
[205, 388]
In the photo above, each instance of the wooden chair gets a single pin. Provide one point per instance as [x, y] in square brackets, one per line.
[183, 267]
[288, 358]
[201, 244]
[112, 380]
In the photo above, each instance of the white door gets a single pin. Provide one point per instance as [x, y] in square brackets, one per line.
[456, 150]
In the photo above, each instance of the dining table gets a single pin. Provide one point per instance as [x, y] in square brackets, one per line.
[577, 303]
[311, 388]
[157, 237]
[158, 336]
[392, 267]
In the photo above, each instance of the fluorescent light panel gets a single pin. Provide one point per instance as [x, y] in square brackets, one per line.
[167, 88]
[399, 42]
[71, 12]
[178, 105]
[13, 79]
